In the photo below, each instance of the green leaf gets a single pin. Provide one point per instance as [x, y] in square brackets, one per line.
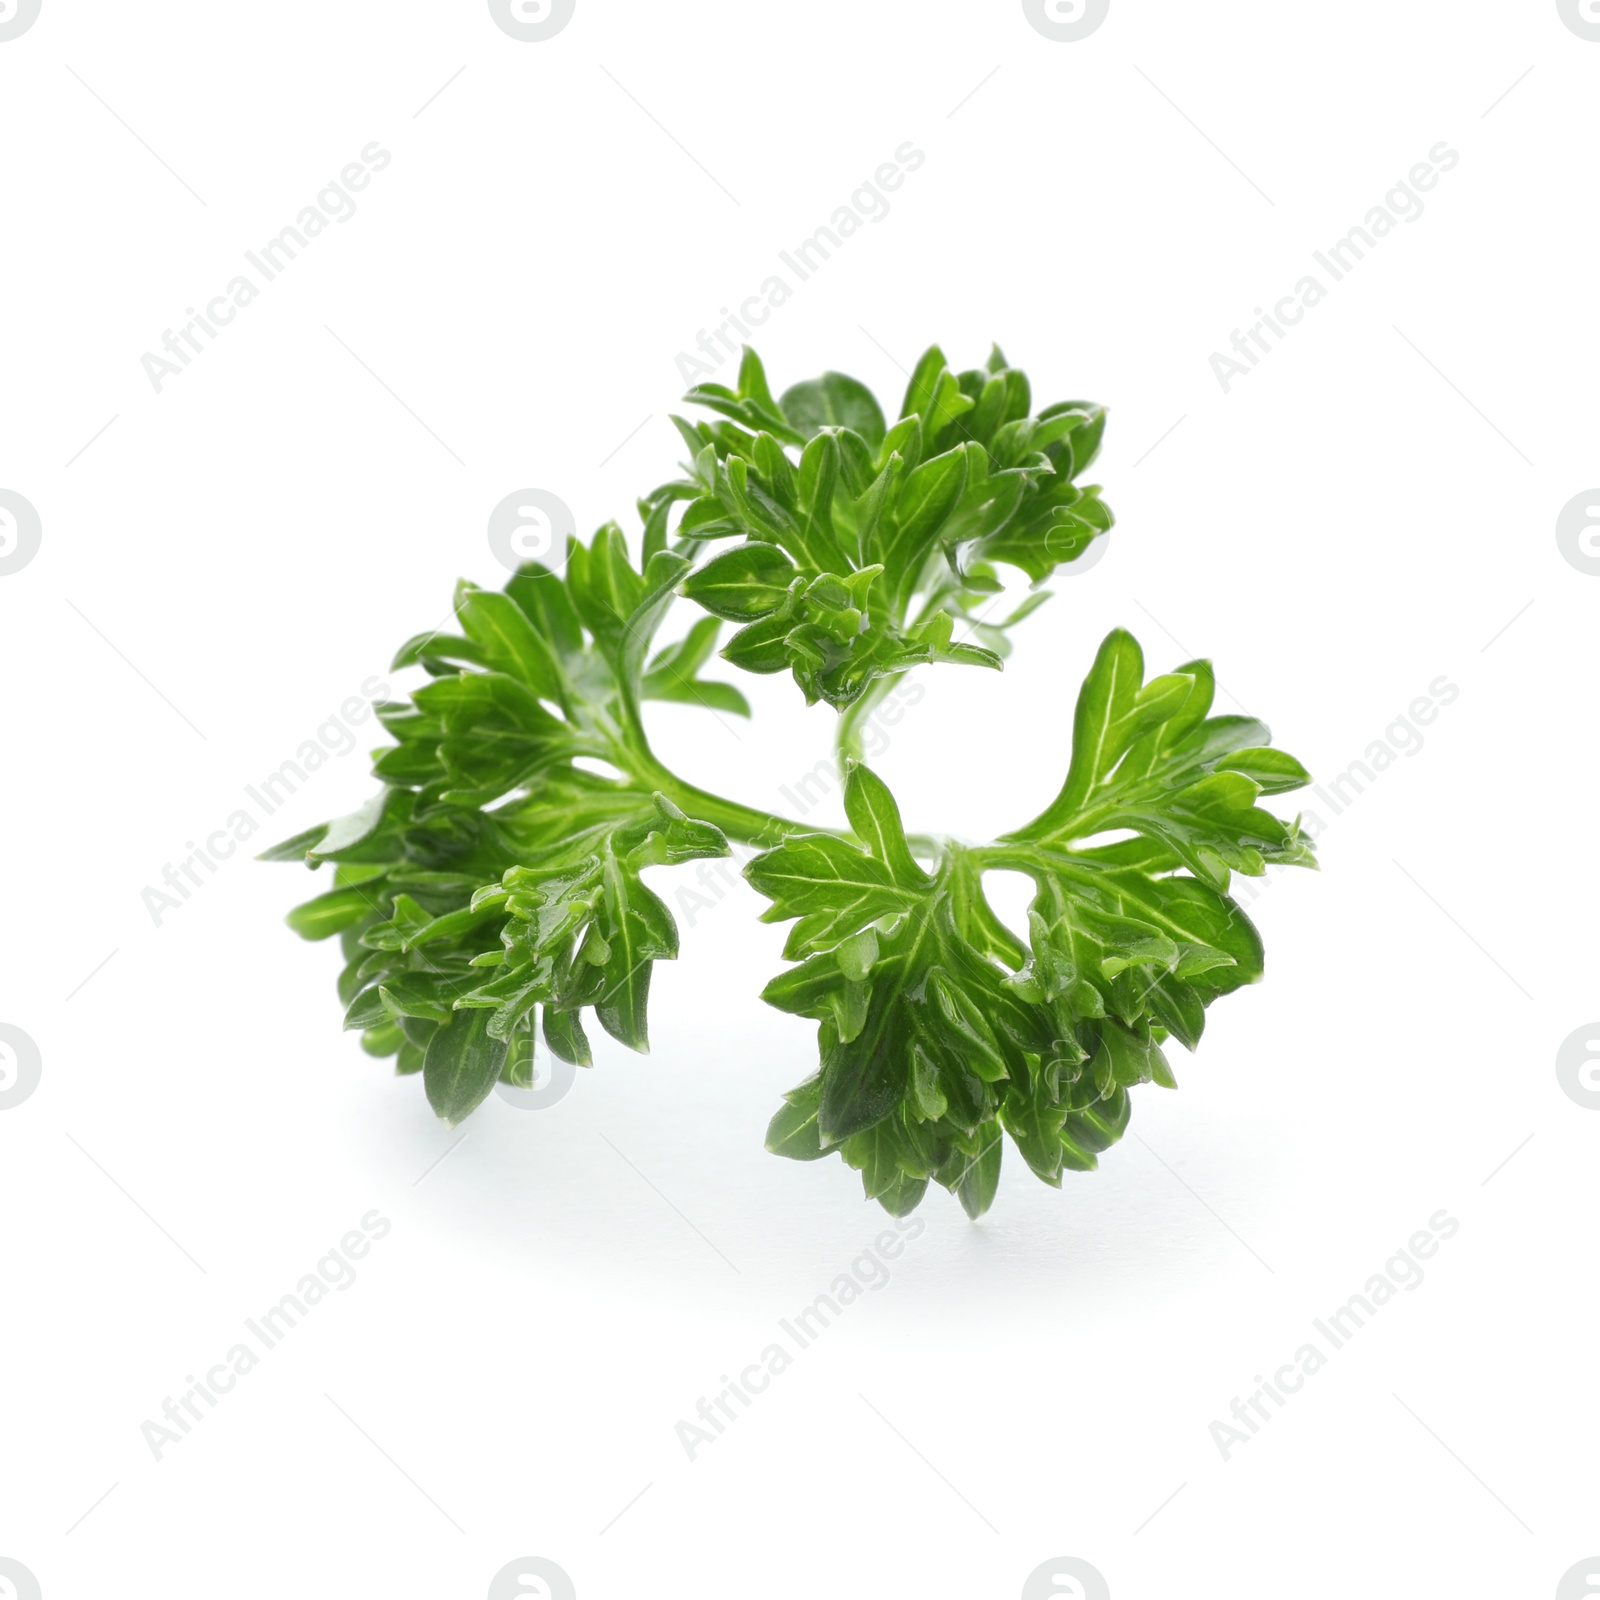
[343, 835]
[509, 642]
[833, 400]
[674, 674]
[297, 848]
[432, 647]
[546, 603]
[834, 888]
[421, 996]
[926, 497]
[741, 584]
[1101, 724]
[406, 918]
[924, 383]
[1275, 771]
[753, 378]
[657, 589]
[638, 931]
[712, 695]
[793, 1131]
[384, 1040]
[980, 1177]
[461, 1066]
[875, 819]
[332, 913]
[762, 646]
[563, 1032]
[1146, 757]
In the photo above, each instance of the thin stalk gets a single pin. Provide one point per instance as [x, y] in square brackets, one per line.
[748, 824]
[847, 741]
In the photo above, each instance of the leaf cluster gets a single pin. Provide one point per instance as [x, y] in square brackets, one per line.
[940, 1030]
[494, 891]
[857, 558]
[494, 881]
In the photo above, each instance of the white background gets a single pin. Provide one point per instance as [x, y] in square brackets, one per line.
[1371, 509]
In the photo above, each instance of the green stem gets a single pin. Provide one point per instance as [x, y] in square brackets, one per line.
[631, 753]
[847, 741]
[746, 823]
[1005, 854]
[749, 825]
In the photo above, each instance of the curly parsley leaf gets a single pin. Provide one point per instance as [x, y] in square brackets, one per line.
[938, 1028]
[862, 544]
[494, 888]
[1148, 758]
[493, 880]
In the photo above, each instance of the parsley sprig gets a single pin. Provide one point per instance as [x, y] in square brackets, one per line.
[494, 887]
